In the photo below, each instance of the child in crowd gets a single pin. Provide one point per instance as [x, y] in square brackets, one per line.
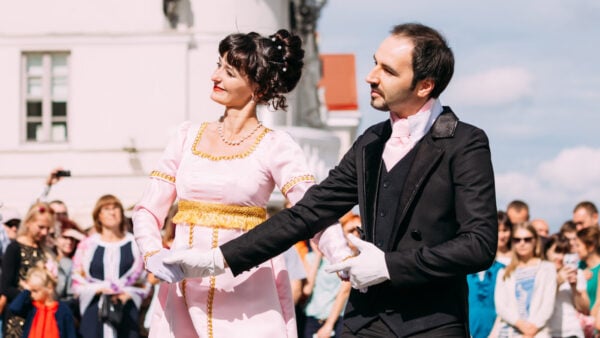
[44, 315]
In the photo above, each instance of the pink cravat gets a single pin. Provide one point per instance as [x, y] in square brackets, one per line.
[398, 145]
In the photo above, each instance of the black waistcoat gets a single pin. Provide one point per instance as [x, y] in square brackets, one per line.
[389, 190]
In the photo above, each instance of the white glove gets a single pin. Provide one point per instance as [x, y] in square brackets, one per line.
[196, 263]
[366, 269]
[167, 273]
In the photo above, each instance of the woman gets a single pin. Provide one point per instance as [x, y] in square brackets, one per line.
[525, 289]
[109, 263]
[21, 255]
[223, 173]
[588, 248]
[571, 296]
[482, 311]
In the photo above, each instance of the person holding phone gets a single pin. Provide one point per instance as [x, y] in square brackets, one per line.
[571, 296]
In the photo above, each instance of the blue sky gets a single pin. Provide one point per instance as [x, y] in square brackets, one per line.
[527, 72]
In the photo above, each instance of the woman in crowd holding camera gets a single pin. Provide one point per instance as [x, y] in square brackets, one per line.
[108, 267]
[223, 173]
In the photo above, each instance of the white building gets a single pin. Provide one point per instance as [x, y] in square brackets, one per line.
[97, 87]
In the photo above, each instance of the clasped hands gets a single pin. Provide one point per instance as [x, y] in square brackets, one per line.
[174, 265]
[366, 269]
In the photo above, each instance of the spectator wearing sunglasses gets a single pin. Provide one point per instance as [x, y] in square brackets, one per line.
[526, 289]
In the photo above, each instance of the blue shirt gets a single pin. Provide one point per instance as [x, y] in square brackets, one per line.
[482, 311]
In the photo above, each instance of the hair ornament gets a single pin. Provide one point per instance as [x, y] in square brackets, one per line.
[279, 47]
[273, 39]
[284, 69]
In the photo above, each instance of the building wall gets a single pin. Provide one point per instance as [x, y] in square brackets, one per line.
[133, 79]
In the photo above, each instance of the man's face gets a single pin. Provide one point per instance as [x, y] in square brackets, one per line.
[583, 219]
[60, 210]
[517, 216]
[391, 77]
[541, 227]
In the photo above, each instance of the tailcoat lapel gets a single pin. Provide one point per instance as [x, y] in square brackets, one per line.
[371, 167]
[428, 155]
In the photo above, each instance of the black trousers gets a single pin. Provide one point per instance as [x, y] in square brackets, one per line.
[378, 329]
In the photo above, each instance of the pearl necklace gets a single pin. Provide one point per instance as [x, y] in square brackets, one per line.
[238, 142]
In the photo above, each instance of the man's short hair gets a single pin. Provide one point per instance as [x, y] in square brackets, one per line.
[588, 206]
[431, 57]
[518, 205]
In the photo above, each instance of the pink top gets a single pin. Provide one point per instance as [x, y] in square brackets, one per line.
[246, 179]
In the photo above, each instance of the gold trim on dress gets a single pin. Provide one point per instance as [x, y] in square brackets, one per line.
[217, 215]
[162, 176]
[211, 291]
[249, 151]
[295, 180]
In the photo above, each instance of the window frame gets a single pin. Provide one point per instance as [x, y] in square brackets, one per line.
[46, 97]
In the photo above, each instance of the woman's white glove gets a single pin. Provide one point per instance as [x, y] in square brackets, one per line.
[196, 263]
[366, 269]
[167, 273]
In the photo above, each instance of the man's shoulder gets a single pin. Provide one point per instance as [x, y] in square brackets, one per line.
[448, 125]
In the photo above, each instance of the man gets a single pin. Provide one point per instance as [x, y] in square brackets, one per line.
[517, 211]
[541, 227]
[426, 199]
[585, 215]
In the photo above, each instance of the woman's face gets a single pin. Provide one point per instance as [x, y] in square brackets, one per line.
[38, 227]
[230, 88]
[65, 245]
[555, 257]
[503, 236]
[523, 242]
[110, 216]
[582, 250]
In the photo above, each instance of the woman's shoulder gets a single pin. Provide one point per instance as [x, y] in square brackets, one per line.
[547, 265]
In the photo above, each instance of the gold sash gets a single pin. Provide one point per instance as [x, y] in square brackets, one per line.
[219, 215]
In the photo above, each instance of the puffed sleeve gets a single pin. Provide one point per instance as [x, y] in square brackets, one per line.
[151, 211]
[289, 168]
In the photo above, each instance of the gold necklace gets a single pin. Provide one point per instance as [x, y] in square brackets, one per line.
[238, 142]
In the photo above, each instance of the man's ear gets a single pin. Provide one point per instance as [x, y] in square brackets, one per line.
[425, 87]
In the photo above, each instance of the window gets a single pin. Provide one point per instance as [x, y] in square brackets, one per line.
[46, 92]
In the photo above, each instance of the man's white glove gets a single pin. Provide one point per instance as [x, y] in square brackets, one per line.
[167, 273]
[366, 269]
[196, 263]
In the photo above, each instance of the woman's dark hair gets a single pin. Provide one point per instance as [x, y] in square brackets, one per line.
[273, 63]
[562, 244]
[590, 237]
[431, 58]
[505, 221]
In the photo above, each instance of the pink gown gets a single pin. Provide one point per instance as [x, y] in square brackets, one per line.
[222, 198]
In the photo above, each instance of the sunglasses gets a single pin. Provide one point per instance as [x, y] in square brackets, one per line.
[522, 239]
